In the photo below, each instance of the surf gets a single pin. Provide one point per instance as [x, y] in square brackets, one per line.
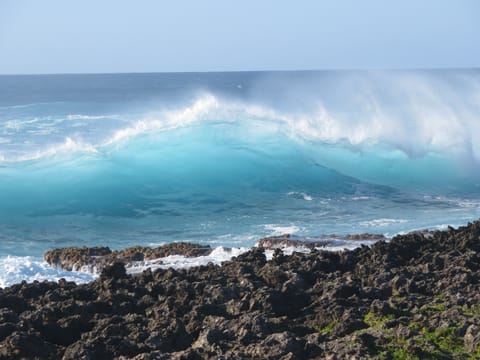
[199, 158]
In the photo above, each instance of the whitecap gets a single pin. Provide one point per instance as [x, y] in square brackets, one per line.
[89, 117]
[281, 230]
[303, 195]
[69, 146]
[382, 222]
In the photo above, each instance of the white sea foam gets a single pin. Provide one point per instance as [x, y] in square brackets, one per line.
[26, 123]
[90, 117]
[14, 269]
[217, 256]
[406, 132]
[305, 196]
[23, 106]
[382, 222]
[280, 230]
[13, 125]
[334, 245]
[67, 147]
[360, 198]
[410, 130]
[167, 120]
[287, 251]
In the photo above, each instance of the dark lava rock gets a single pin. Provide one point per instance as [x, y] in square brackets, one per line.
[96, 258]
[74, 258]
[115, 271]
[417, 296]
[288, 240]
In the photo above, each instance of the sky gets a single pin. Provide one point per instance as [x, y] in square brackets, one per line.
[92, 36]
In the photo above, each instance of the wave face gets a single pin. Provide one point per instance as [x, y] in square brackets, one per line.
[226, 158]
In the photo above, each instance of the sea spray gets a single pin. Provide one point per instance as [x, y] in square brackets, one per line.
[228, 158]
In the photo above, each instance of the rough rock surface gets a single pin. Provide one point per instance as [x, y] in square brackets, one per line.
[96, 258]
[415, 297]
[287, 240]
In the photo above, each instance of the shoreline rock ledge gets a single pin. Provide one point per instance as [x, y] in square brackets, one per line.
[415, 297]
[289, 240]
[95, 259]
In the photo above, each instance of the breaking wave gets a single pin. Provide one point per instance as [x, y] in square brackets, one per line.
[415, 142]
[250, 156]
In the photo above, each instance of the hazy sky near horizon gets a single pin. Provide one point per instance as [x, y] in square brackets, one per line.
[91, 36]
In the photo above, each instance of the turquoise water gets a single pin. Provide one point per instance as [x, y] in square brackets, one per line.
[226, 158]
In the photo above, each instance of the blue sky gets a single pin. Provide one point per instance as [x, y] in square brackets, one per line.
[78, 36]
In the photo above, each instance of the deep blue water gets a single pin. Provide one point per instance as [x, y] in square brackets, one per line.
[226, 158]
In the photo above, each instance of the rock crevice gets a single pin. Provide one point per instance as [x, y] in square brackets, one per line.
[417, 295]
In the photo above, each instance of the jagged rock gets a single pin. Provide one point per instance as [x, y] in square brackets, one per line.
[288, 240]
[114, 271]
[74, 258]
[96, 258]
[394, 297]
[472, 338]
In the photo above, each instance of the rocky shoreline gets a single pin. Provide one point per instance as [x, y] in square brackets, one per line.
[95, 259]
[415, 297]
[288, 240]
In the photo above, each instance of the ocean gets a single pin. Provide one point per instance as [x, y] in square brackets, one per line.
[227, 158]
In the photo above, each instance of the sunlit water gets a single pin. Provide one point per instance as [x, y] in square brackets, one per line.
[227, 158]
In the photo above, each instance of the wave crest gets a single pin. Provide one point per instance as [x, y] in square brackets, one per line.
[68, 147]
[402, 124]
[424, 120]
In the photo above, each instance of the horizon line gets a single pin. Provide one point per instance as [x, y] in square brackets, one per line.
[440, 68]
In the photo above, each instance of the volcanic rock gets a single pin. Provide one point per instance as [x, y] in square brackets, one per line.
[288, 240]
[94, 259]
[391, 300]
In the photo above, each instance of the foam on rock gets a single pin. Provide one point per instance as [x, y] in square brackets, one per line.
[94, 259]
[417, 295]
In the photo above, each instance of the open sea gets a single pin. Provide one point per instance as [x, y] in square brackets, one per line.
[227, 158]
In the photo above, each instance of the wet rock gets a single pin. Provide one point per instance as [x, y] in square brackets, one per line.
[418, 294]
[288, 240]
[95, 259]
[74, 258]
